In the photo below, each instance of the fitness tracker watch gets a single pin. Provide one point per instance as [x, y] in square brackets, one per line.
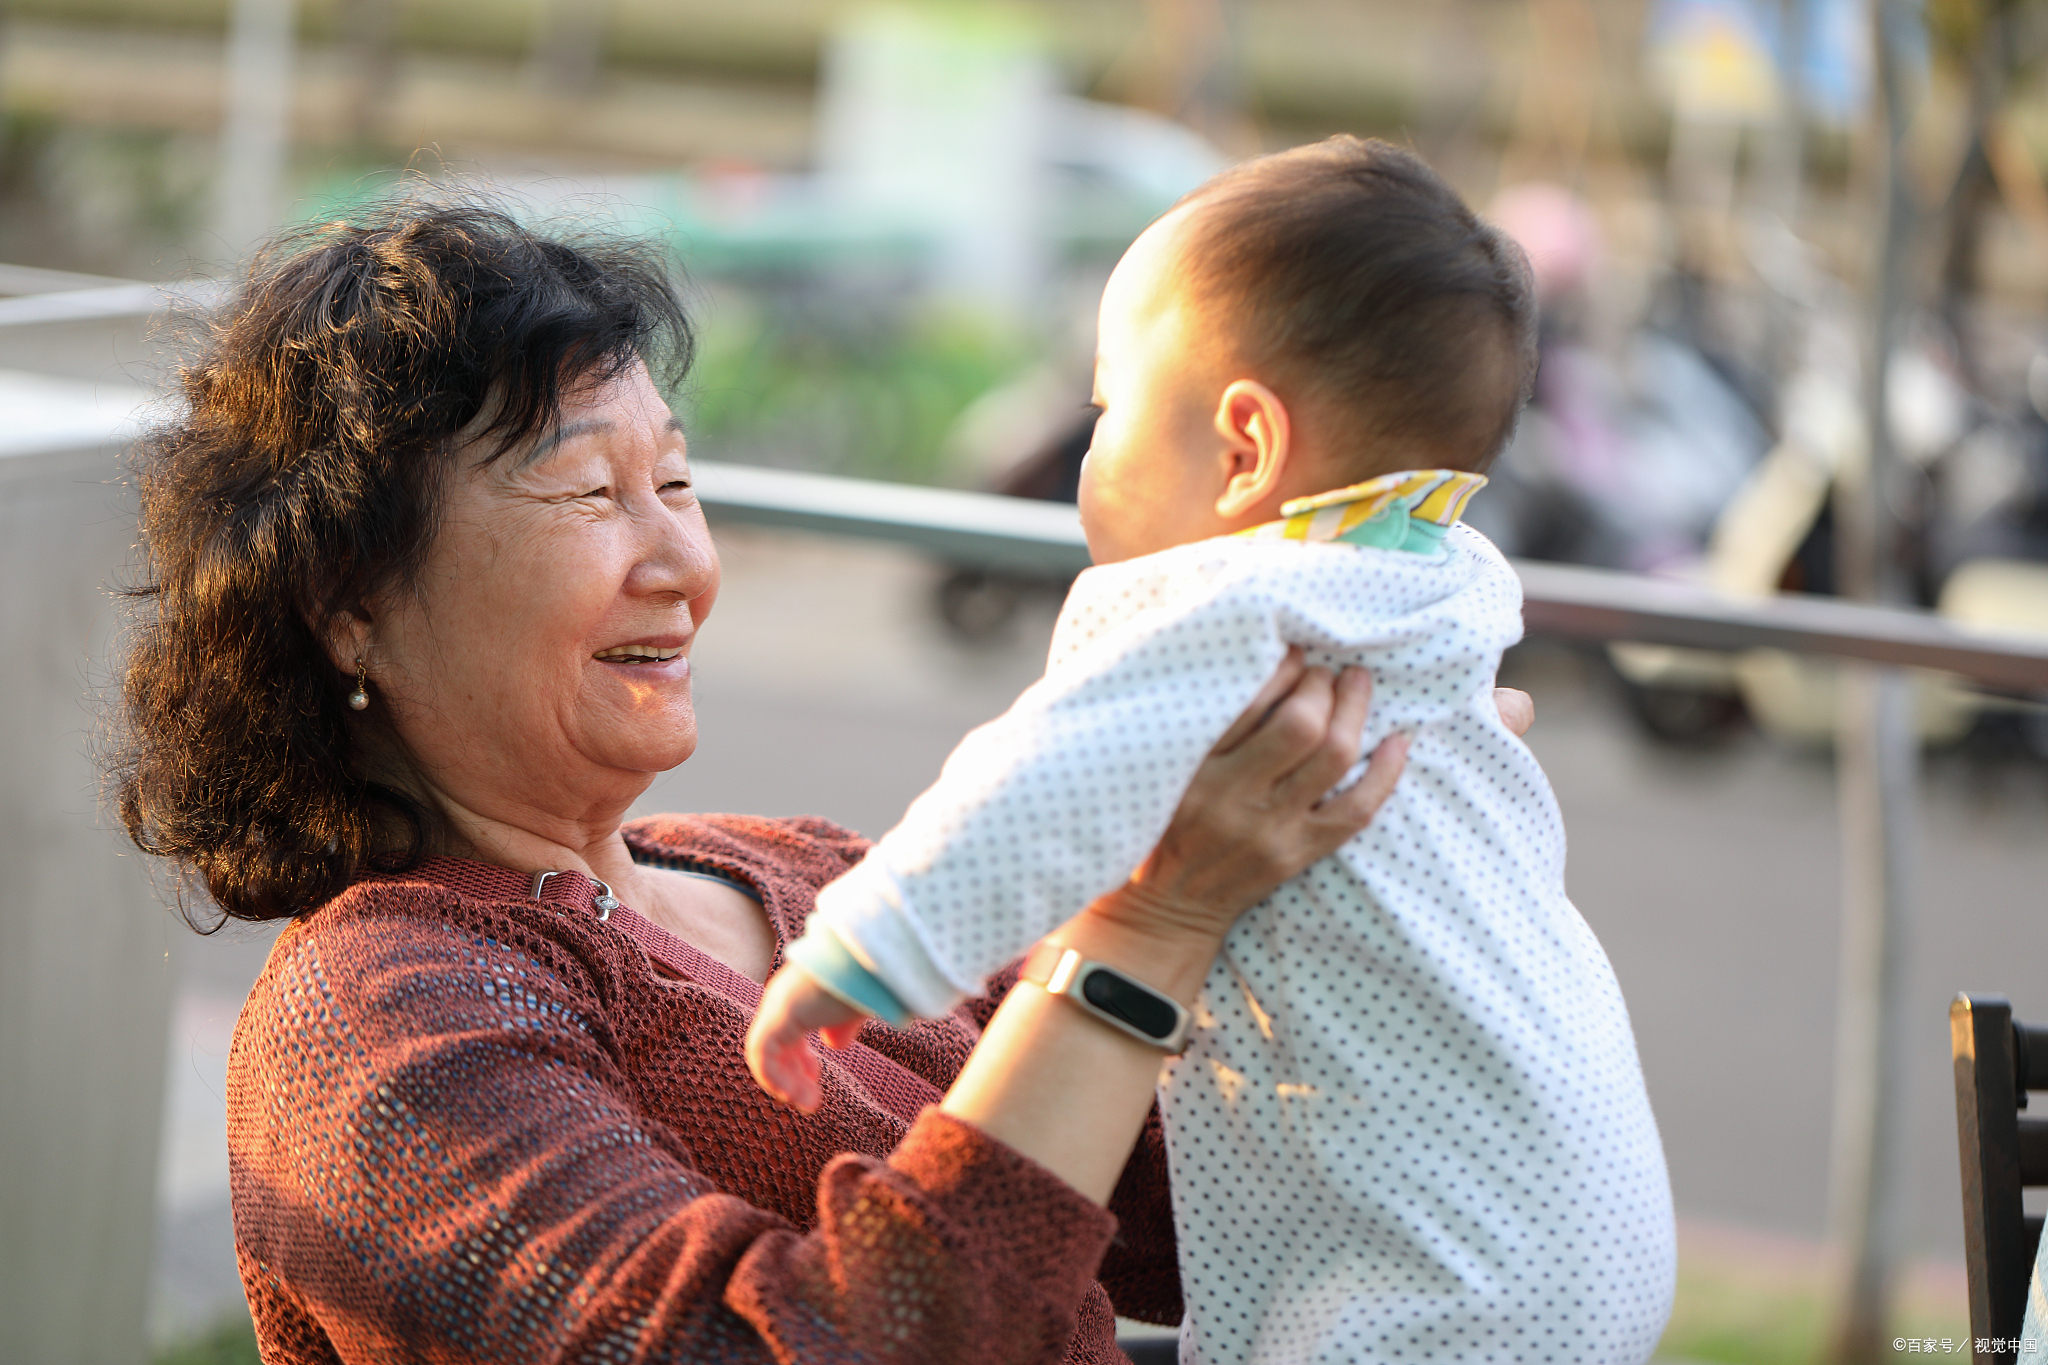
[1125, 1004]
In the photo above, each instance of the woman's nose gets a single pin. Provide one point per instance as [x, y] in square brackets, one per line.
[676, 554]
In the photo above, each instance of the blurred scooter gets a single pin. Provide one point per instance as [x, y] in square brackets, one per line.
[976, 604]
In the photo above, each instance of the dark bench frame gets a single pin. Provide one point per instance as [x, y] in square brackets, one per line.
[1997, 1061]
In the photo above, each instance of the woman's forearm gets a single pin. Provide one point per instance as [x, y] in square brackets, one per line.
[1058, 1085]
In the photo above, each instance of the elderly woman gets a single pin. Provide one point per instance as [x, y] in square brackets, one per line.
[425, 569]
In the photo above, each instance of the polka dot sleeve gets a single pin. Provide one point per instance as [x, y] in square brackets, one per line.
[1057, 801]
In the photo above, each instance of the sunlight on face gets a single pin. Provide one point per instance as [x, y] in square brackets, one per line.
[1155, 469]
[548, 638]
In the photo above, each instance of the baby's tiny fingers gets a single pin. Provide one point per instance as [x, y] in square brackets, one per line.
[842, 1035]
[794, 1072]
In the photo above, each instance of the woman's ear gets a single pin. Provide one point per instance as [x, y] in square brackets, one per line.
[346, 634]
[1258, 446]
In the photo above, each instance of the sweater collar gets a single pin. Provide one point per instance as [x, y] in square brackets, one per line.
[584, 897]
[487, 881]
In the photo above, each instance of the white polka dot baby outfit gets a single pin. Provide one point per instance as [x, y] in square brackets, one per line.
[1411, 1125]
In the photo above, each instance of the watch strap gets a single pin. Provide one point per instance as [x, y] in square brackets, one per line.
[1117, 999]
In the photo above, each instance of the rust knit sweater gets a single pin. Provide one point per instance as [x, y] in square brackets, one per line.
[465, 1125]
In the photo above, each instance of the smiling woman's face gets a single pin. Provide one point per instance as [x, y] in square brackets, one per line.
[543, 657]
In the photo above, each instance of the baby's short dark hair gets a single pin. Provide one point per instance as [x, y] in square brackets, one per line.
[1360, 276]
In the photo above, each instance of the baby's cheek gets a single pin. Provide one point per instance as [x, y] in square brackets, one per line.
[1097, 528]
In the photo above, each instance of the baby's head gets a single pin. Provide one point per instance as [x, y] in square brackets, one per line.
[1302, 322]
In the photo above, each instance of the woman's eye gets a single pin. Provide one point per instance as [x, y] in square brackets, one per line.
[675, 485]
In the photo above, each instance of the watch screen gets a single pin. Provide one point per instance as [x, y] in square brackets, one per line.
[1131, 1003]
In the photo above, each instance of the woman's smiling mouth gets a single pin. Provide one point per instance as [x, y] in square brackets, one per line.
[637, 654]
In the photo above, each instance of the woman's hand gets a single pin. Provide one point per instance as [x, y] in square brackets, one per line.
[1071, 1094]
[1517, 709]
[1260, 808]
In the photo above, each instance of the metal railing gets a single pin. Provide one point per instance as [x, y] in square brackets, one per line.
[98, 302]
[1021, 536]
[1017, 535]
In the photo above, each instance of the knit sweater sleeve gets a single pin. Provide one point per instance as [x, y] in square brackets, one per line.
[1141, 1270]
[437, 1157]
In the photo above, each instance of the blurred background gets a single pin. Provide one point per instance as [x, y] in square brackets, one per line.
[893, 222]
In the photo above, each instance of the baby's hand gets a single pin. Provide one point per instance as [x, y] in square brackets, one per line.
[778, 1053]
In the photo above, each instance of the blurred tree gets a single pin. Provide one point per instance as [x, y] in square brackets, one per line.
[1877, 767]
[256, 129]
[368, 30]
[1555, 108]
[568, 44]
[1994, 44]
[1191, 68]
[1451, 105]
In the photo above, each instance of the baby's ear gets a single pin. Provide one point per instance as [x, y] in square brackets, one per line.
[1258, 446]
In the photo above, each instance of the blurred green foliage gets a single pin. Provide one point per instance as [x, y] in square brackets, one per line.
[810, 356]
[839, 385]
[1733, 1314]
[233, 1342]
[114, 200]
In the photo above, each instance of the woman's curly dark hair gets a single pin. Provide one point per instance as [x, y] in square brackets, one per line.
[305, 476]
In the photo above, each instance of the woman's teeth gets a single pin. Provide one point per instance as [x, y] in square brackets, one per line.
[635, 654]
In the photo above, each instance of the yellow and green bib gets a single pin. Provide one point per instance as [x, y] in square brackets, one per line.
[1407, 511]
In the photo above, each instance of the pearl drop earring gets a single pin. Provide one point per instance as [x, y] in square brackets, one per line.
[359, 699]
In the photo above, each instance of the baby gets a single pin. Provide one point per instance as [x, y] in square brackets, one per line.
[1410, 1123]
